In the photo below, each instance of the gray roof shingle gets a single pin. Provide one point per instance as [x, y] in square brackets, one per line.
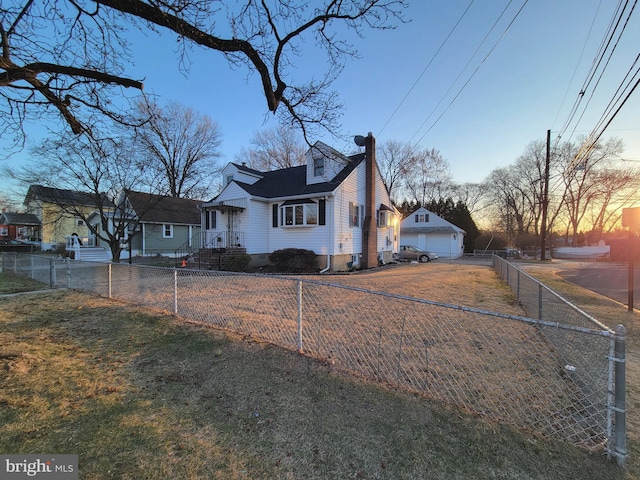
[160, 209]
[292, 181]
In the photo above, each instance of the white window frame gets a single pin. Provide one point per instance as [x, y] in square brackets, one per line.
[356, 215]
[384, 218]
[299, 215]
[4, 231]
[167, 230]
[318, 167]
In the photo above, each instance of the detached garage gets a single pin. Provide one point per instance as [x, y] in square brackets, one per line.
[428, 231]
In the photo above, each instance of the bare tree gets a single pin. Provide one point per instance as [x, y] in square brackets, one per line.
[617, 188]
[59, 60]
[429, 178]
[99, 171]
[72, 54]
[470, 194]
[179, 148]
[7, 204]
[396, 161]
[272, 149]
[581, 182]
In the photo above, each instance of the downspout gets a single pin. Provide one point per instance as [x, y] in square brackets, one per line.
[330, 236]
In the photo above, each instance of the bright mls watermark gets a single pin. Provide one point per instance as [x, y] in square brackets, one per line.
[50, 467]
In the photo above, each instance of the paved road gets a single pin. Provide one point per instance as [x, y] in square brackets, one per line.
[606, 278]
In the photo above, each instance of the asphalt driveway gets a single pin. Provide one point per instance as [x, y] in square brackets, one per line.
[606, 278]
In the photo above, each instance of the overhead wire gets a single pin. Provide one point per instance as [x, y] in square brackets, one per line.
[619, 99]
[605, 44]
[473, 74]
[611, 52]
[444, 42]
[575, 70]
[594, 66]
[461, 71]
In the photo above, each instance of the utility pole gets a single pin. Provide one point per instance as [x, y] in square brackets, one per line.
[545, 200]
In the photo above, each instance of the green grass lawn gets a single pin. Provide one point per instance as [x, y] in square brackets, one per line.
[142, 396]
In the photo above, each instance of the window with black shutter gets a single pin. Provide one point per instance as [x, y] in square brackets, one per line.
[322, 212]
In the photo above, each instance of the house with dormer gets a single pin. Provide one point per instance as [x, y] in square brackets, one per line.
[336, 205]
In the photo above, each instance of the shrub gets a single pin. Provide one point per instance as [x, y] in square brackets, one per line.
[237, 263]
[295, 260]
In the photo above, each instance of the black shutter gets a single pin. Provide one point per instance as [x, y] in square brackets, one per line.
[322, 212]
[214, 219]
[274, 215]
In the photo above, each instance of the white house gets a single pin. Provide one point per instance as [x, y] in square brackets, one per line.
[428, 231]
[321, 206]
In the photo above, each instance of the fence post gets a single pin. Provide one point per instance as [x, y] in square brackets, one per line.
[175, 291]
[620, 393]
[109, 275]
[539, 301]
[53, 281]
[68, 262]
[32, 274]
[518, 286]
[299, 315]
[506, 277]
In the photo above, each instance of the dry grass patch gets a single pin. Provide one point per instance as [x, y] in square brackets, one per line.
[611, 313]
[10, 283]
[139, 395]
[474, 286]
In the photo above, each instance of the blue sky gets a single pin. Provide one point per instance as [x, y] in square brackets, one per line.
[527, 84]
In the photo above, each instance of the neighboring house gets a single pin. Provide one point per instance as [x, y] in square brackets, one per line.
[62, 213]
[19, 226]
[322, 206]
[164, 224]
[428, 231]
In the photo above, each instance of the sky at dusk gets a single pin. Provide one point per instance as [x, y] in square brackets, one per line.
[479, 93]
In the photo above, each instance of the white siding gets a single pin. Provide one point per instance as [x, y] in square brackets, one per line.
[262, 237]
[348, 240]
[240, 175]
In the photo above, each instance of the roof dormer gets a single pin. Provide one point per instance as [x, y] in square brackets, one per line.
[324, 163]
[240, 173]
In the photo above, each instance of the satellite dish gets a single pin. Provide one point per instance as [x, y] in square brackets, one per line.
[360, 140]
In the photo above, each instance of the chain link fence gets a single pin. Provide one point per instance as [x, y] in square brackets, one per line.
[539, 374]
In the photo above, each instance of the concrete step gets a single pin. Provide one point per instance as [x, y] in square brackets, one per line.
[95, 254]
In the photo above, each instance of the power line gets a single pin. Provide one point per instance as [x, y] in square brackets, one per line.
[427, 66]
[575, 70]
[462, 70]
[474, 72]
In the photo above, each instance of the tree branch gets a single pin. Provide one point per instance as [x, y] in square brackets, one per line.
[14, 73]
[158, 17]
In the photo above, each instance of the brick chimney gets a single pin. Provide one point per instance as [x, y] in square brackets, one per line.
[370, 227]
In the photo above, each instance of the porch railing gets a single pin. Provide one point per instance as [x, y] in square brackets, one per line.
[85, 241]
[223, 239]
[209, 239]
